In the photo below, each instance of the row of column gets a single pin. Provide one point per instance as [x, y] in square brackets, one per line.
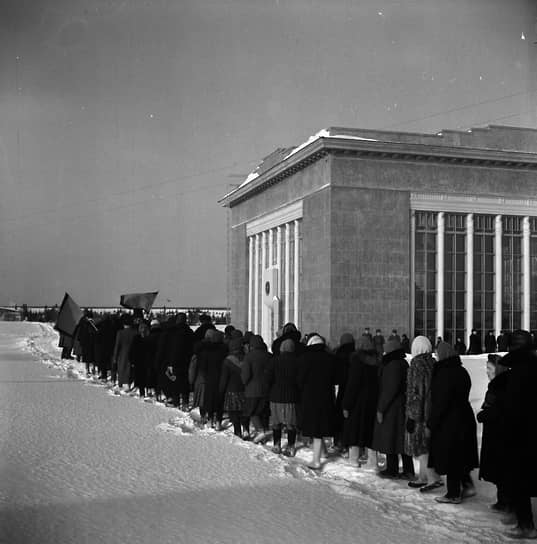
[526, 273]
[257, 250]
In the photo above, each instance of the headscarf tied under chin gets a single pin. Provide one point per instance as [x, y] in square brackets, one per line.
[421, 345]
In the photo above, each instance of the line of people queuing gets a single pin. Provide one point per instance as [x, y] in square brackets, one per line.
[366, 398]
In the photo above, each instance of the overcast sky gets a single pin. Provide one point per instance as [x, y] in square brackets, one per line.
[122, 122]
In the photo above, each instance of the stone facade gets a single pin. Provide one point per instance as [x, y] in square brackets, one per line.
[356, 188]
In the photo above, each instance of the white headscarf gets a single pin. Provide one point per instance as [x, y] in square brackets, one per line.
[421, 345]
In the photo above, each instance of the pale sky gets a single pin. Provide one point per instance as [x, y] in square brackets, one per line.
[122, 122]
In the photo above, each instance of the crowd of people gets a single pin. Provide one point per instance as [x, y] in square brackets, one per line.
[406, 400]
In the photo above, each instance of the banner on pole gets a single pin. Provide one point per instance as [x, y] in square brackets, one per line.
[69, 316]
[137, 301]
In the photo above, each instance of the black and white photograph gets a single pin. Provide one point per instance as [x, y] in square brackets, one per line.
[268, 271]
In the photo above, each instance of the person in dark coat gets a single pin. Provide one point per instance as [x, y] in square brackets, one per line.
[205, 324]
[66, 343]
[121, 355]
[140, 357]
[418, 409]
[360, 398]
[378, 342]
[474, 347]
[460, 347]
[343, 355]
[405, 342]
[491, 463]
[232, 388]
[394, 336]
[86, 337]
[317, 376]
[152, 372]
[105, 339]
[180, 347]
[284, 395]
[518, 434]
[453, 449]
[389, 430]
[210, 360]
[289, 332]
[502, 342]
[490, 342]
[255, 387]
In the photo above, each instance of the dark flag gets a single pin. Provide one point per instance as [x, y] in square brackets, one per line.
[68, 316]
[137, 301]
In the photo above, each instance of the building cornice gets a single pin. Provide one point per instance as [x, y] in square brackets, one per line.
[380, 150]
[457, 203]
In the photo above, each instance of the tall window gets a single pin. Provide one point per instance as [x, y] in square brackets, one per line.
[484, 274]
[533, 273]
[512, 272]
[454, 276]
[425, 274]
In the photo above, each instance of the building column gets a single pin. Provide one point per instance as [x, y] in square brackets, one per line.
[412, 319]
[287, 271]
[469, 275]
[250, 281]
[526, 274]
[270, 248]
[256, 285]
[440, 275]
[297, 268]
[263, 268]
[498, 274]
[279, 259]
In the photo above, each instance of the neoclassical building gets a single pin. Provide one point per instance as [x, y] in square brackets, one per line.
[430, 234]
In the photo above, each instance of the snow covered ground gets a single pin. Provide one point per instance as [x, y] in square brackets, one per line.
[82, 464]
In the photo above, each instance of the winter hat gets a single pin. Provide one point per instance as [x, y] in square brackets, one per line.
[364, 344]
[287, 346]
[256, 342]
[235, 345]
[392, 345]
[346, 338]
[420, 345]
[520, 340]
[212, 335]
[155, 323]
[444, 351]
[289, 327]
[315, 339]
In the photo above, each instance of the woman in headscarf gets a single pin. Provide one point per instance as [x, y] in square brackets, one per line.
[360, 399]
[232, 388]
[283, 396]
[492, 464]
[418, 409]
[453, 448]
[389, 432]
[316, 379]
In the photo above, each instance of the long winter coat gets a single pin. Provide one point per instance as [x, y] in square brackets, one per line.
[360, 399]
[316, 380]
[518, 430]
[492, 464]
[281, 377]
[418, 403]
[253, 373]
[86, 337]
[140, 359]
[453, 447]
[179, 348]
[389, 436]
[121, 357]
[210, 359]
[343, 357]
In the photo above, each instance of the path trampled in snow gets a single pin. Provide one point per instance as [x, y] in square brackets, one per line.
[79, 464]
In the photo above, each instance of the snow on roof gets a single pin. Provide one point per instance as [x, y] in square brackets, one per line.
[323, 133]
